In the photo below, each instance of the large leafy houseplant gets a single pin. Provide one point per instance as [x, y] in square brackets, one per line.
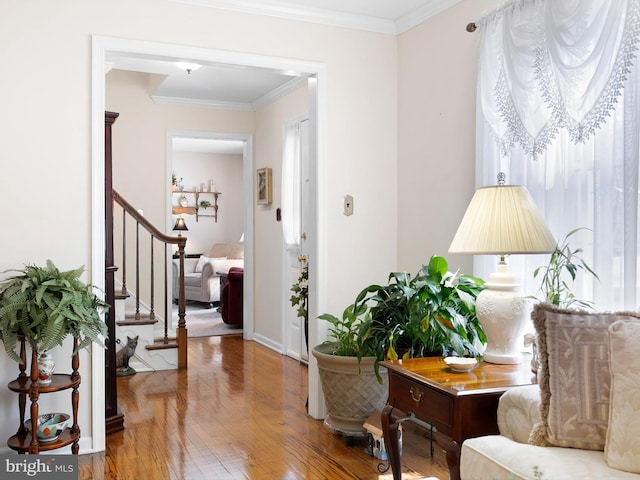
[45, 305]
[430, 313]
[433, 312]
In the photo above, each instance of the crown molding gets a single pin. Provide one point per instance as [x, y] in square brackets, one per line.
[194, 102]
[291, 11]
[270, 97]
[279, 92]
[416, 17]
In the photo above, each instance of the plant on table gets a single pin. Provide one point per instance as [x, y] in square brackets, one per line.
[45, 305]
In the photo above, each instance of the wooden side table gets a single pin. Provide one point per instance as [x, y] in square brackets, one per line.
[458, 405]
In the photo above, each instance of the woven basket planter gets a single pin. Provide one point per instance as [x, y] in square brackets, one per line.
[351, 390]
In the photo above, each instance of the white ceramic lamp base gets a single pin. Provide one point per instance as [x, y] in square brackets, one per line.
[502, 312]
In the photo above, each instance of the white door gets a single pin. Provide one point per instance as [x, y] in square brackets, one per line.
[295, 258]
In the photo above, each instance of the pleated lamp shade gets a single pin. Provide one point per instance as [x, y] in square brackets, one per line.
[502, 220]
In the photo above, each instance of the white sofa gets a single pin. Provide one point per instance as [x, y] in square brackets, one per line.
[582, 420]
[509, 456]
[202, 275]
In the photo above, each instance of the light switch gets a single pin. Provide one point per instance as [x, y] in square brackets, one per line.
[348, 205]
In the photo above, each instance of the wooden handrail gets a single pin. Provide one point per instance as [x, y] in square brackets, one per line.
[180, 241]
[146, 223]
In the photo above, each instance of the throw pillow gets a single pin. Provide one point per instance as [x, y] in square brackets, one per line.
[574, 376]
[622, 450]
[217, 264]
[202, 261]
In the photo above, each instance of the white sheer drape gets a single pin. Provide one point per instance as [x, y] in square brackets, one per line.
[558, 111]
[291, 203]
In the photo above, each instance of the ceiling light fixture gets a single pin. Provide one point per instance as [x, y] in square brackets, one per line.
[188, 67]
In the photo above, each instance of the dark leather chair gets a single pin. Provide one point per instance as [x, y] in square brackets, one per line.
[231, 297]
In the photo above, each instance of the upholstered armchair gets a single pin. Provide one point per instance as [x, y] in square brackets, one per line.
[202, 275]
[231, 297]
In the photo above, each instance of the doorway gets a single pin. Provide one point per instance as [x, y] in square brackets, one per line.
[317, 120]
[295, 223]
[220, 160]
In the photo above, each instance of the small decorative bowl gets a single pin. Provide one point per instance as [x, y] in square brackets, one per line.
[461, 364]
[50, 426]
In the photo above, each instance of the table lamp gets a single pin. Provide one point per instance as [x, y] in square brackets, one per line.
[180, 226]
[502, 220]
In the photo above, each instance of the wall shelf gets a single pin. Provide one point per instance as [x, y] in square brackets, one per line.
[190, 204]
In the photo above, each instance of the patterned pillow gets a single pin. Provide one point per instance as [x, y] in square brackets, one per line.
[622, 450]
[574, 376]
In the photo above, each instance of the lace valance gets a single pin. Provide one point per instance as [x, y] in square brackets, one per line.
[549, 65]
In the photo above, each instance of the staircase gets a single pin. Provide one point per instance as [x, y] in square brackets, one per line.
[160, 346]
[151, 353]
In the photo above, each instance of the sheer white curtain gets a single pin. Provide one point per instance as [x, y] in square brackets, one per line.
[291, 203]
[558, 111]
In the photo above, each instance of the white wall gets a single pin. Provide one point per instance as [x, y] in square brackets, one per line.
[437, 65]
[46, 139]
[268, 231]
[226, 171]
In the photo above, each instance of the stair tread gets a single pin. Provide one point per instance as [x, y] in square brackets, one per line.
[161, 346]
[131, 320]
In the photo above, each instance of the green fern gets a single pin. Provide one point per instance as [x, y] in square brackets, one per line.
[45, 305]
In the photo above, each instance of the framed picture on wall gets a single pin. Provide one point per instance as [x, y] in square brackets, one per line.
[264, 186]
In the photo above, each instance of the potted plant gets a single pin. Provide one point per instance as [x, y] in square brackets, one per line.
[352, 384]
[564, 261]
[299, 299]
[176, 183]
[430, 313]
[205, 204]
[45, 305]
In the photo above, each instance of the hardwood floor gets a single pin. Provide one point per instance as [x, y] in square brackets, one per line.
[238, 412]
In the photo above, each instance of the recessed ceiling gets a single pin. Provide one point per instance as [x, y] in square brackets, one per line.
[208, 145]
[213, 85]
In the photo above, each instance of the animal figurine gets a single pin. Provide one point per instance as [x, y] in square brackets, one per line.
[125, 353]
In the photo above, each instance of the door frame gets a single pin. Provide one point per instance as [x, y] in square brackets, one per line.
[317, 145]
[247, 208]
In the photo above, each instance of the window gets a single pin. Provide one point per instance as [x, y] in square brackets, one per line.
[558, 111]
